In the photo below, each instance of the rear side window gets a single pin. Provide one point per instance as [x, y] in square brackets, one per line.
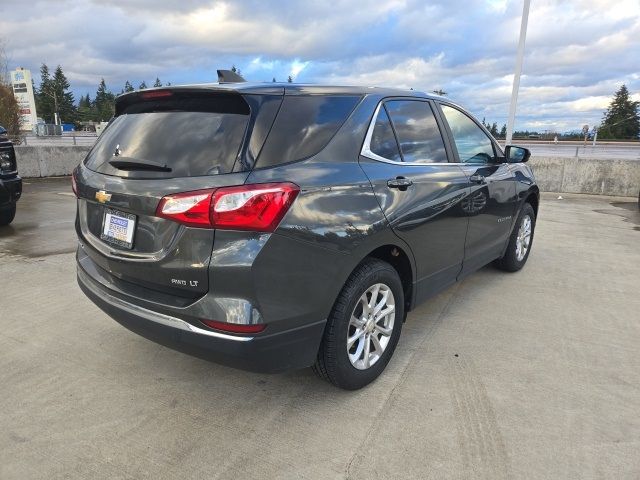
[417, 130]
[304, 126]
[190, 137]
[383, 140]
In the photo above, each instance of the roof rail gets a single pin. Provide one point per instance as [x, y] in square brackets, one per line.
[228, 76]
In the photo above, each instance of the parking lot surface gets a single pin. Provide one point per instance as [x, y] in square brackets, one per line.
[527, 375]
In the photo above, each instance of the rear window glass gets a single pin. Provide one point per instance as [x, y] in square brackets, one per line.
[189, 138]
[383, 140]
[417, 130]
[304, 126]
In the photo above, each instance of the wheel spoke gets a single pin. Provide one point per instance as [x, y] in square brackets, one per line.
[385, 312]
[357, 322]
[355, 356]
[367, 351]
[352, 339]
[383, 330]
[365, 304]
[374, 297]
[376, 345]
[380, 305]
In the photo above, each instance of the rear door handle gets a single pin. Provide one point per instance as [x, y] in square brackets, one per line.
[399, 182]
[477, 178]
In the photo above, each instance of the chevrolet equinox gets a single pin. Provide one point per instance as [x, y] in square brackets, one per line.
[272, 227]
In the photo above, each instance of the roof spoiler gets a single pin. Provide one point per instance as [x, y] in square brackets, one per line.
[228, 76]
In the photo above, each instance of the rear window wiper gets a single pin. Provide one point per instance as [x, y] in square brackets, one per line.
[124, 163]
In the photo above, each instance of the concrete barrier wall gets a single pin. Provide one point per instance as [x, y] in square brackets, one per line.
[554, 174]
[587, 175]
[49, 161]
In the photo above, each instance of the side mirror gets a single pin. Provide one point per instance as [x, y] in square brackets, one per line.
[516, 154]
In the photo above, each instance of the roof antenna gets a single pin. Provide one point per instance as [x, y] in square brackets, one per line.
[227, 76]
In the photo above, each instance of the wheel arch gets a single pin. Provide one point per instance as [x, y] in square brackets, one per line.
[533, 198]
[399, 259]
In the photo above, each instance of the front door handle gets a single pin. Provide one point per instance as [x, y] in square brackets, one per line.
[400, 183]
[477, 178]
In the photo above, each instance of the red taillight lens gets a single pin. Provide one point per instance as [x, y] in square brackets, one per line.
[190, 208]
[234, 327]
[252, 207]
[74, 183]
[258, 207]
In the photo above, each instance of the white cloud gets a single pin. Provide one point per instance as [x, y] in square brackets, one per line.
[577, 54]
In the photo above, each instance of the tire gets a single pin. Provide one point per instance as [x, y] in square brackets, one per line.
[7, 215]
[343, 366]
[513, 259]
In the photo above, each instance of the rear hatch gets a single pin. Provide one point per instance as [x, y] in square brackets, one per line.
[160, 143]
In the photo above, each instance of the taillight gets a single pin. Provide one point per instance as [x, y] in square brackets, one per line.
[74, 183]
[258, 207]
[234, 327]
[156, 94]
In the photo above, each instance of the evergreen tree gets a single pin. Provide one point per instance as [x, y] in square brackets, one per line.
[503, 131]
[44, 95]
[274, 80]
[86, 112]
[289, 79]
[66, 102]
[621, 120]
[494, 129]
[158, 83]
[142, 86]
[103, 103]
[128, 87]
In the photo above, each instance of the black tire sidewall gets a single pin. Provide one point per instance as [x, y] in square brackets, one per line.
[512, 259]
[7, 214]
[346, 375]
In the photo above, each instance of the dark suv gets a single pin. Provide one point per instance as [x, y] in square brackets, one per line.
[10, 182]
[272, 227]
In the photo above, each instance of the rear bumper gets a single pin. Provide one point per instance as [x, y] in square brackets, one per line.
[266, 353]
[10, 190]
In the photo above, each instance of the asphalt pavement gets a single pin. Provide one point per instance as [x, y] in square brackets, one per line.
[533, 375]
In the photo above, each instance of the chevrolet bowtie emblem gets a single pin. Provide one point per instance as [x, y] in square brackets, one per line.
[103, 196]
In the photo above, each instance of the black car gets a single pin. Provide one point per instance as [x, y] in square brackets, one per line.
[10, 182]
[272, 227]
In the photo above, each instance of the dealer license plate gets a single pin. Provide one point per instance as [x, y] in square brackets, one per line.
[118, 228]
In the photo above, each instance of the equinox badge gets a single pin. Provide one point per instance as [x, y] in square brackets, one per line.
[103, 196]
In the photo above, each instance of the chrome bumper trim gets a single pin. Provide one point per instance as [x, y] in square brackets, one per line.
[156, 317]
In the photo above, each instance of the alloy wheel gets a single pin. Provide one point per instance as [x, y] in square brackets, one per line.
[523, 240]
[371, 326]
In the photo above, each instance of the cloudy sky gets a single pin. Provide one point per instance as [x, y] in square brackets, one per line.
[577, 53]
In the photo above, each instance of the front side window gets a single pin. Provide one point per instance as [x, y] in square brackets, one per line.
[417, 130]
[473, 145]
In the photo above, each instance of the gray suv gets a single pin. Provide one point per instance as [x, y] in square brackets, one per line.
[272, 227]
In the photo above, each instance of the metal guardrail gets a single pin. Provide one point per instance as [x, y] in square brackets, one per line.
[66, 139]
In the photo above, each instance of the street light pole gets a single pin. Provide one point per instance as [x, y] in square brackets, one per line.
[516, 76]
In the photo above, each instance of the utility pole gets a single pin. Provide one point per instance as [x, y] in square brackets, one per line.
[516, 77]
